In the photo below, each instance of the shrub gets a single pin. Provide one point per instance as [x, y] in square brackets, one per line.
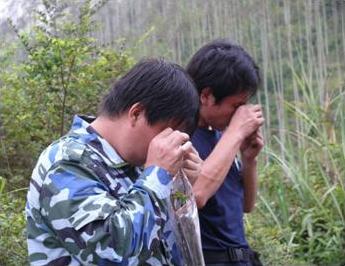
[13, 248]
[65, 73]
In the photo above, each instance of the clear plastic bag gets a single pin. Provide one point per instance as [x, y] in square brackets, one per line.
[186, 221]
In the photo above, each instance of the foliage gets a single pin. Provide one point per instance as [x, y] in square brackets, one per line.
[180, 196]
[270, 242]
[12, 223]
[302, 191]
[65, 73]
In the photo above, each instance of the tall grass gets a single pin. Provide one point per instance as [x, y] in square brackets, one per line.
[302, 187]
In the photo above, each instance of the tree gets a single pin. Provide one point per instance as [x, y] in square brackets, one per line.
[65, 73]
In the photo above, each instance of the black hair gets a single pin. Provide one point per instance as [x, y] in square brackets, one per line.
[164, 89]
[227, 69]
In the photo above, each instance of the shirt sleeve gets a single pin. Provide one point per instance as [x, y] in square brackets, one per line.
[95, 226]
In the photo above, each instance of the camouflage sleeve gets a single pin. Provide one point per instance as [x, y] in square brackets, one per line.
[94, 226]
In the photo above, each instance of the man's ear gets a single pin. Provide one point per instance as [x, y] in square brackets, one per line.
[135, 113]
[206, 97]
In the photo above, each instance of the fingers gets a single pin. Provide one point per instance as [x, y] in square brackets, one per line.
[257, 139]
[259, 117]
[256, 135]
[261, 121]
[260, 142]
[258, 112]
[255, 107]
[252, 107]
[259, 134]
[192, 175]
[254, 111]
[177, 138]
[260, 139]
[172, 150]
[187, 147]
[192, 159]
[166, 132]
[174, 139]
[190, 151]
[190, 165]
[166, 150]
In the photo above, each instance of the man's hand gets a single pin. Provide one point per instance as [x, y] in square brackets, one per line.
[246, 120]
[192, 164]
[252, 146]
[165, 150]
[250, 149]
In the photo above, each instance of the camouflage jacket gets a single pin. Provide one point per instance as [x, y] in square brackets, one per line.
[86, 206]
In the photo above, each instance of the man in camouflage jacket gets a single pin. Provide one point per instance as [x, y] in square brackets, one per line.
[100, 194]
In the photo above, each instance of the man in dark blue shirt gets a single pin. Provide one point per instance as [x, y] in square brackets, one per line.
[226, 77]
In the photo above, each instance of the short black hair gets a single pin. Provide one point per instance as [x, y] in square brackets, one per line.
[226, 68]
[164, 89]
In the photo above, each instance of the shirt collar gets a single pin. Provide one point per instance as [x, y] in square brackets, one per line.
[89, 136]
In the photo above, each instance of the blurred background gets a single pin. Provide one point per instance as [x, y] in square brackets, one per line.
[57, 58]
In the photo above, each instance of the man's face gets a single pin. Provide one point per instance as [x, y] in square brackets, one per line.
[218, 115]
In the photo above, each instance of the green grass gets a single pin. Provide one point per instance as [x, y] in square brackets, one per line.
[301, 206]
[13, 248]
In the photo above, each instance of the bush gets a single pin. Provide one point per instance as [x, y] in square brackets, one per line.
[13, 248]
[270, 242]
[299, 219]
[65, 73]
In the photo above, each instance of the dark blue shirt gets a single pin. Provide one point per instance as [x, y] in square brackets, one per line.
[221, 219]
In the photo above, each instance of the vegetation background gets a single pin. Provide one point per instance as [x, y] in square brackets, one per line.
[60, 57]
